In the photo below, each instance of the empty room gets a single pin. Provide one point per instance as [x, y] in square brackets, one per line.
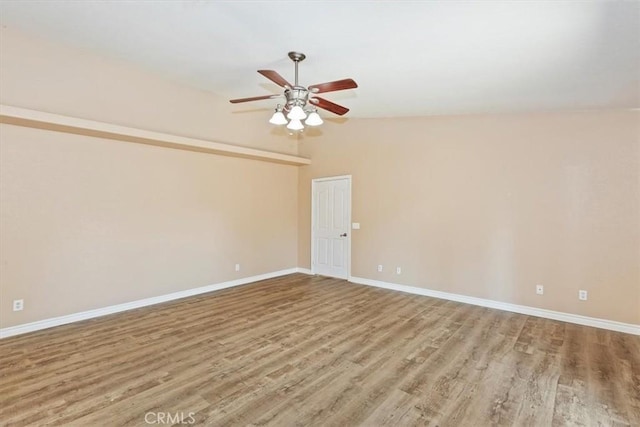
[319, 213]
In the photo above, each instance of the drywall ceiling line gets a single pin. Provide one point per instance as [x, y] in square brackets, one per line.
[55, 122]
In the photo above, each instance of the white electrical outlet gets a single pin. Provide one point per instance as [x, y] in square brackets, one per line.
[237, 267]
[398, 270]
[539, 289]
[582, 295]
[380, 268]
[18, 304]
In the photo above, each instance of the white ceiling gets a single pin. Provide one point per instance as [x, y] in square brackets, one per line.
[409, 58]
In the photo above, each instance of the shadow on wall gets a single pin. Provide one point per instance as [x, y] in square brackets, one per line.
[311, 132]
[337, 120]
[315, 132]
[283, 132]
[253, 110]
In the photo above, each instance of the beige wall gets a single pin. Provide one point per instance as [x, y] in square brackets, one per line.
[87, 223]
[490, 206]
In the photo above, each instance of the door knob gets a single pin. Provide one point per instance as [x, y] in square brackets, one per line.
[343, 235]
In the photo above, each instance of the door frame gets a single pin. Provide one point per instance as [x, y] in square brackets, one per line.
[313, 220]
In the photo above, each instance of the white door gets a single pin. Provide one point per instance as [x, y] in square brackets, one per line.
[330, 233]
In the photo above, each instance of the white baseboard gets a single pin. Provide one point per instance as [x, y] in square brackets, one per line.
[522, 309]
[84, 315]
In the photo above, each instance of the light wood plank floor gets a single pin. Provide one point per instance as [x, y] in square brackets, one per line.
[302, 350]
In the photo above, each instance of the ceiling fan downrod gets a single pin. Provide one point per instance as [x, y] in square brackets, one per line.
[296, 57]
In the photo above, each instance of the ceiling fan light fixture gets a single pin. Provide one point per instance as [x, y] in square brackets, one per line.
[297, 113]
[278, 117]
[295, 124]
[314, 119]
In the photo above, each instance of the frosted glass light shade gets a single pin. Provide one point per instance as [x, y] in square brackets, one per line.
[297, 113]
[295, 124]
[314, 119]
[278, 118]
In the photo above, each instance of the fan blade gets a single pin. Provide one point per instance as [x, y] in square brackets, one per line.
[255, 98]
[275, 77]
[329, 106]
[333, 86]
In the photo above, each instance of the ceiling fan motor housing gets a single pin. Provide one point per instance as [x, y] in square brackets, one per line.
[297, 95]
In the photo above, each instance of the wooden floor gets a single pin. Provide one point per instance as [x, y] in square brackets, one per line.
[303, 350]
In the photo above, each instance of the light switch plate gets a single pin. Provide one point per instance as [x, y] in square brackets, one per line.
[355, 225]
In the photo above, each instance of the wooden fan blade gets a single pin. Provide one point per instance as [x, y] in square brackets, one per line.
[329, 106]
[275, 77]
[333, 86]
[255, 98]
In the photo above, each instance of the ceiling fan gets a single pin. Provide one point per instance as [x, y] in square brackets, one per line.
[301, 101]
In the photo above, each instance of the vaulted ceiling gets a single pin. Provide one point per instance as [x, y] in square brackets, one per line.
[409, 58]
